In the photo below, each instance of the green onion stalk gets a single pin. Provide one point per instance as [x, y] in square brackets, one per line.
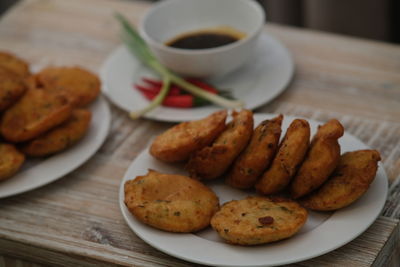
[139, 48]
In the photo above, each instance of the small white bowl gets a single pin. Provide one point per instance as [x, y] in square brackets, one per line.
[171, 18]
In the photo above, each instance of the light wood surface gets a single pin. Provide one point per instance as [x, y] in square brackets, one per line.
[76, 220]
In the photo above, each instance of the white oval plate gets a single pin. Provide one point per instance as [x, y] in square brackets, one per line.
[259, 81]
[322, 233]
[39, 172]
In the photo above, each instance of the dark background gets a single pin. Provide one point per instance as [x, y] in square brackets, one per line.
[372, 19]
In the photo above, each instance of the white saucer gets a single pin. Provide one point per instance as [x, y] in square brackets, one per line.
[265, 75]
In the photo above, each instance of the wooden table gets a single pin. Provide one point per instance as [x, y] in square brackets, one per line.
[76, 220]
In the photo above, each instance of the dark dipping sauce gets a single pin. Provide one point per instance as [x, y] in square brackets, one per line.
[203, 39]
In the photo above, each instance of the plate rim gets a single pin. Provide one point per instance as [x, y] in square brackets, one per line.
[102, 107]
[159, 117]
[383, 179]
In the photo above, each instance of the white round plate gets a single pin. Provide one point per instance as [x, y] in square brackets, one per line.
[39, 172]
[323, 232]
[261, 79]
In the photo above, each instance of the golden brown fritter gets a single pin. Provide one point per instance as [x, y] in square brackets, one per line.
[36, 112]
[212, 161]
[61, 137]
[180, 141]
[258, 220]
[321, 159]
[80, 86]
[10, 160]
[12, 87]
[349, 181]
[14, 64]
[173, 203]
[257, 156]
[32, 83]
[288, 158]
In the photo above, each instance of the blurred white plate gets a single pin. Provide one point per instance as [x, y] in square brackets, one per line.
[266, 74]
[39, 172]
[322, 233]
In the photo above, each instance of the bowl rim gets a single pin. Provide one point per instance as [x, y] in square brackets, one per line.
[180, 51]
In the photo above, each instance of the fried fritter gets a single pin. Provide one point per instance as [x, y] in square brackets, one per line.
[35, 113]
[321, 159]
[61, 137]
[258, 220]
[10, 160]
[180, 141]
[80, 86]
[12, 87]
[349, 181]
[212, 161]
[288, 158]
[32, 82]
[14, 64]
[257, 156]
[173, 203]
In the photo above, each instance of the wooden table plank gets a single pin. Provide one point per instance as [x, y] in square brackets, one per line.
[360, 252]
[76, 220]
[333, 71]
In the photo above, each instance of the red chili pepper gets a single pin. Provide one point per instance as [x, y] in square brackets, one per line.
[176, 97]
[152, 82]
[199, 83]
[177, 101]
[182, 101]
[174, 90]
[207, 87]
[149, 89]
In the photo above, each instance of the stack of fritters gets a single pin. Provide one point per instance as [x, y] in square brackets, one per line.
[320, 161]
[257, 156]
[350, 180]
[313, 173]
[212, 161]
[182, 140]
[289, 156]
[41, 114]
